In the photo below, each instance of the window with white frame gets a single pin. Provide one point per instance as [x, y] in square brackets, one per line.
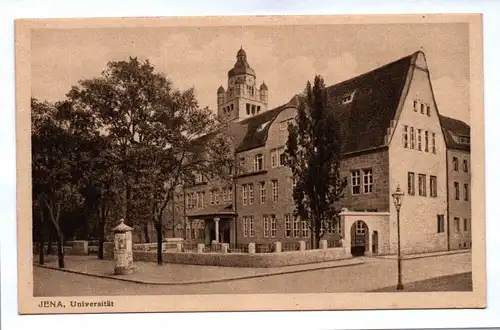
[262, 192]
[411, 183]
[217, 195]
[355, 182]
[433, 186]
[405, 136]
[275, 187]
[456, 185]
[244, 194]
[198, 178]
[265, 218]
[274, 158]
[296, 227]
[230, 194]
[412, 138]
[250, 194]
[251, 231]
[245, 226]
[433, 143]
[282, 157]
[274, 225]
[243, 165]
[455, 163]
[426, 141]
[419, 139]
[360, 228]
[305, 229]
[288, 225]
[422, 190]
[367, 181]
[258, 162]
[224, 195]
[456, 224]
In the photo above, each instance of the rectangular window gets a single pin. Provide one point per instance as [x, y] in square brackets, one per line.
[457, 190]
[433, 143]
[456, 224]
[355, 182]
[405, 136]
[305, 230]
[245, 226]
[455, 163]
[274, 158]
[466, 166]
[466, 224]
[422, 189]
[258, 163]
[367, 181]
[412, 138]
[282, 158]
[411, 183]
[415, 103]
[288, 225]
[224, 195]
[250, 194]
[466, 191]
[428, 110]
[273, 226]
[433, 186]
[266, 226]
[296, 227]
[440, 223]
[419, 139]
[248, 108]
[275, 190]
[422, 106]
[251, 232]
[245, 194]
[426, 141]
[243, 165]
[217, 195]
[262, 192]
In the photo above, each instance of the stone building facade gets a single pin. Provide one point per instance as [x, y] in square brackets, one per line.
[392, 136]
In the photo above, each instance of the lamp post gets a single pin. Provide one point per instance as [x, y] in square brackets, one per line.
[397, 196]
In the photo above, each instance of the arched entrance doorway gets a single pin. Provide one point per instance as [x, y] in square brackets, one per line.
[359, 238]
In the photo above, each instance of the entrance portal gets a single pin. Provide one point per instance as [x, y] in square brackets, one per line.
[359, 238]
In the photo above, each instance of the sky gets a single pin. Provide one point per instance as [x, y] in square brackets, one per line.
[284, 56]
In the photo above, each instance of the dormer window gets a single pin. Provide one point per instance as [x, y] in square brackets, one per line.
[348, 98]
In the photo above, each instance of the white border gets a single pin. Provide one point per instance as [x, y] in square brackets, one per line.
[11, 9]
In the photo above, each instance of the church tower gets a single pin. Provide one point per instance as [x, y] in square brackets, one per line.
[243, 98]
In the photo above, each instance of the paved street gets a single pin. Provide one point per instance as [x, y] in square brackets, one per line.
[373, 274]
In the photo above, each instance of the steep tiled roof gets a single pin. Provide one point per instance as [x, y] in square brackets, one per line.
[375, 97]
[455, 128]
[257, 128]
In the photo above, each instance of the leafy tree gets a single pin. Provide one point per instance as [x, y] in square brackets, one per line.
[160, 135]
[313, 154]
[52, 167]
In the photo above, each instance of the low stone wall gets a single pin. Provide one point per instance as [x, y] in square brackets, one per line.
[257, 260]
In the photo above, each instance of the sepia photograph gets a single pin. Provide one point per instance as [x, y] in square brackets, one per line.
[250, 163]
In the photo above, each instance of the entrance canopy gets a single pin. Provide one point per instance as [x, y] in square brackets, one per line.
[212, 211]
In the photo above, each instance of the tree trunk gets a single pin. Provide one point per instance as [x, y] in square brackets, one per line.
[60, 251]
[41, 241]
[145, 228]
[51, 238]
[102, 226]
[159, 240]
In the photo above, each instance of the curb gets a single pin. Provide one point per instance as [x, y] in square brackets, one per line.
[243, 277]
[423, 256]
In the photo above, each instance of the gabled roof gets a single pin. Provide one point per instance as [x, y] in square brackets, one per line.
[454, 128]
[365, 105]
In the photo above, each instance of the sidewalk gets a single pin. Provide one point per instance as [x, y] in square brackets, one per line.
[179, 274]
[423, 255]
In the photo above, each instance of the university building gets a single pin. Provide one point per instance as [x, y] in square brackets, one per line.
[392, 134]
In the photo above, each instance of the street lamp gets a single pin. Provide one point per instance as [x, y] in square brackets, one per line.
[397, 196]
